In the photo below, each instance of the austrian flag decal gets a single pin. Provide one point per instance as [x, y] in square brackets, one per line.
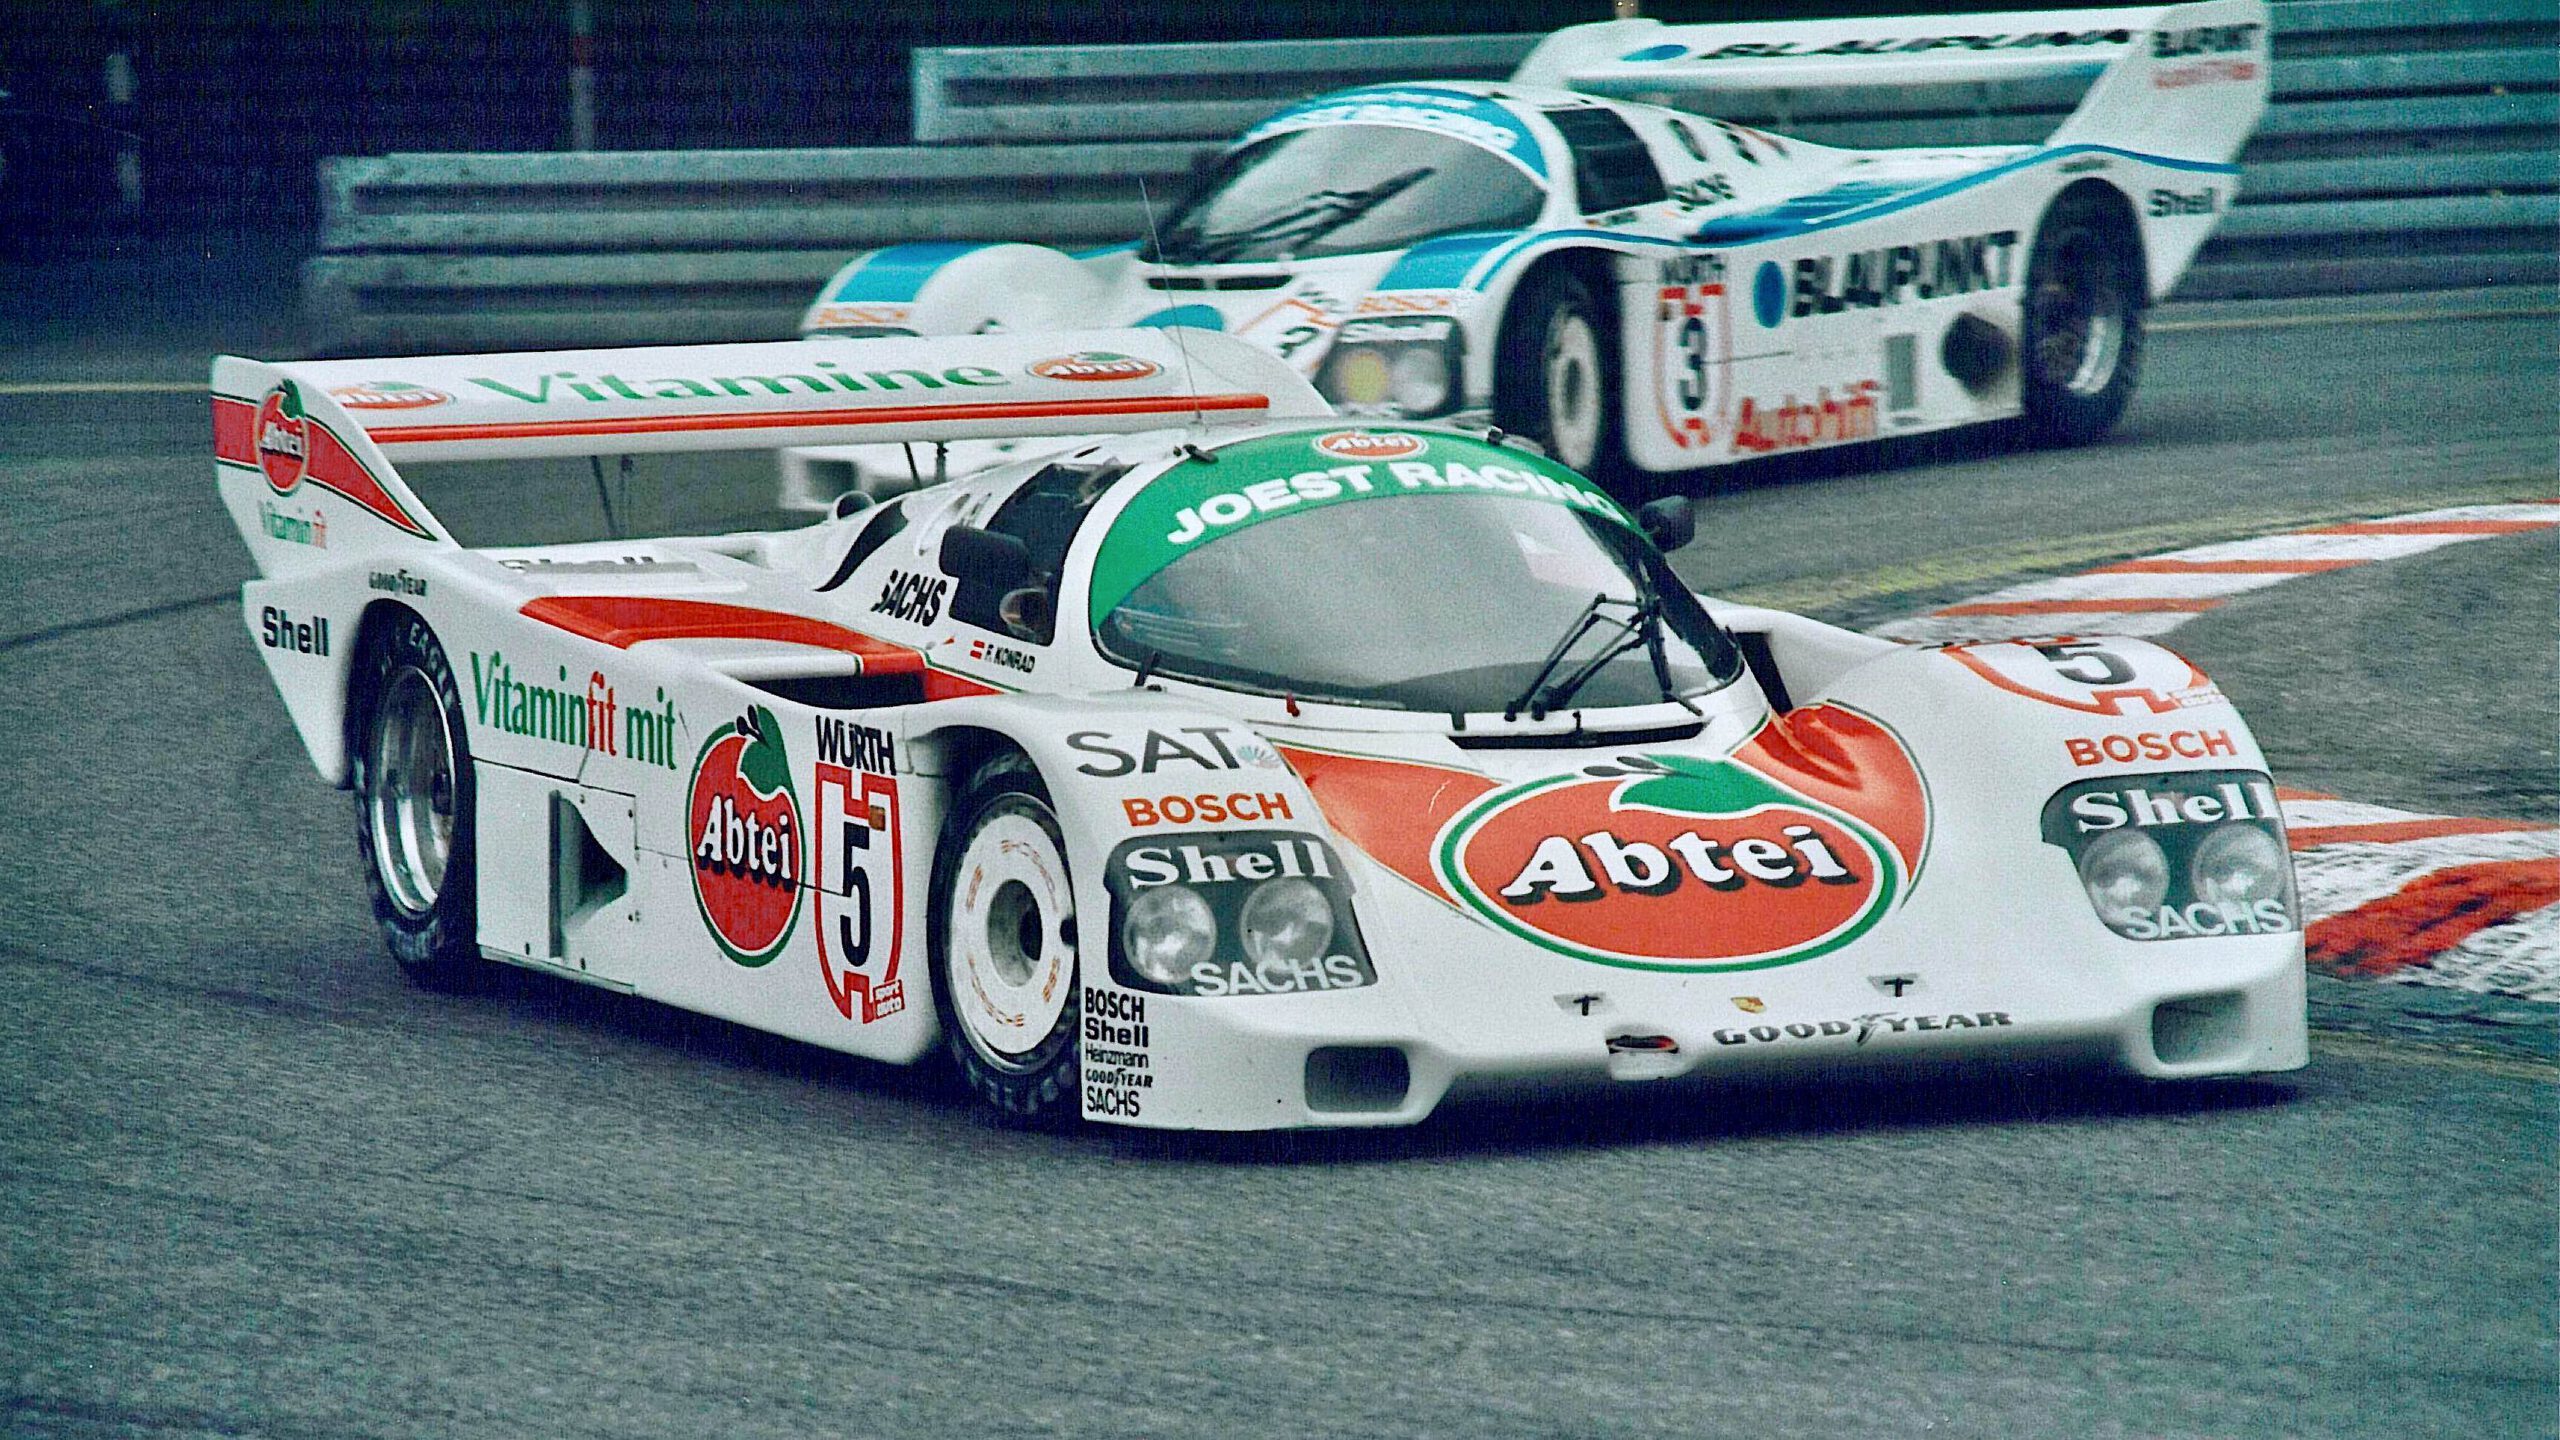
[1792, 847]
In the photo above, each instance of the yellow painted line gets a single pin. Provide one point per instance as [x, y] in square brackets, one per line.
[2361, 317]
[1976, 569]
[101, 387]
[2351, 1045]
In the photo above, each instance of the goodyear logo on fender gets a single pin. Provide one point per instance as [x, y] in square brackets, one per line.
[1674, 863]
[744, 825]
[1095, 365]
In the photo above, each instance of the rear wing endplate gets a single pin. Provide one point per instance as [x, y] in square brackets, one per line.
[2182, 80]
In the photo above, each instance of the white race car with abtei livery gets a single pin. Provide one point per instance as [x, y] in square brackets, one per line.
[1644, 290]
[1264, 768]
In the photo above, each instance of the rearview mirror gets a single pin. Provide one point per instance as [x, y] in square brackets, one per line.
[987, 566]
[1670, 522]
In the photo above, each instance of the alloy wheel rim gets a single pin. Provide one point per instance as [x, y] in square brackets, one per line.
[1572, 367]
[1011, 937]
[411, 792]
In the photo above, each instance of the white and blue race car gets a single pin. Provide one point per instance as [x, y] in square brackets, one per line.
[1643, 290]
[1262, 768]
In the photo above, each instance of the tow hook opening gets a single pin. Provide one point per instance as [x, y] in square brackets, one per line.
[1643, 1045]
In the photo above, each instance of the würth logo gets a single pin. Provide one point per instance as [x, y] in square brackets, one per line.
[1095, 365]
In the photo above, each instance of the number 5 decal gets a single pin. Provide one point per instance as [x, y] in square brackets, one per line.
[860, 873]
[2095, 677]
[2087, 662]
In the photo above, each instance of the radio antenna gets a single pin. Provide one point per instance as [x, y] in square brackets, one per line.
[1155, 242]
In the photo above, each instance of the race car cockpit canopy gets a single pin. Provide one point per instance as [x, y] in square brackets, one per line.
[1381, 168]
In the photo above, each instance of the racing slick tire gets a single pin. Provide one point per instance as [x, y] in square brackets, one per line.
[2084, 303]
[1003, 937]
[413, 791]
[1555, 383]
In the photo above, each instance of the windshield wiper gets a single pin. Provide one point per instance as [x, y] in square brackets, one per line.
[1539, 697]
[1651, 619]
[1323, 212]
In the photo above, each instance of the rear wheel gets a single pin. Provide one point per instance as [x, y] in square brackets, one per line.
[1004, 945]
[413, 798]
[2084, 305]
[1557, 381]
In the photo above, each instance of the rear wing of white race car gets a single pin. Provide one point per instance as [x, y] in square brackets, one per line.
[2183, 81]
[304, 451]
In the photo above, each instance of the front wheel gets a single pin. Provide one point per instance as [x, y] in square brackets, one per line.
[413, 789]
[1556, 381]
[1004, 945]
[2083, 345]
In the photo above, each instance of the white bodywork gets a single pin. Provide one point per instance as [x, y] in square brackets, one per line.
[1781, 296]
[598, 680]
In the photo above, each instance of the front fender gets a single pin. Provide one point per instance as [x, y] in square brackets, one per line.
[1111, 765]
[2000, 726]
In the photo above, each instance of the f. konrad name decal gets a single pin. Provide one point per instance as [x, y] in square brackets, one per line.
[743, 819]
[1678, 862]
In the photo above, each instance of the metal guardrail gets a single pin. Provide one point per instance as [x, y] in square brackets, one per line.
[2406, 147]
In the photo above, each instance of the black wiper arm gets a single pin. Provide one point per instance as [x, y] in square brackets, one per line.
[1637, 632]
[1650, 620]
[1529, 698]
[1323, 212]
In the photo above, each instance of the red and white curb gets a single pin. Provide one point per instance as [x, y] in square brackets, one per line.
[2387, 894]
[2431, 899]
[2159, 593]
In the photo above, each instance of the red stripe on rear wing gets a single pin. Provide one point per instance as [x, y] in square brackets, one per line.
[1169, 406]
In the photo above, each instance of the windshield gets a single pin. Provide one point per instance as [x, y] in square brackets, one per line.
[1448, 583]
[1343, 190]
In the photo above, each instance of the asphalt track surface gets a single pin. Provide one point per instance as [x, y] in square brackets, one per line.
[251, 1183]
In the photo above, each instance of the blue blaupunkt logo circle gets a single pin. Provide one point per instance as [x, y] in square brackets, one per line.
[1769, 294]
[1656, 52]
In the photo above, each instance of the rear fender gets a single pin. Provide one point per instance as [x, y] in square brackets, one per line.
[957, 289]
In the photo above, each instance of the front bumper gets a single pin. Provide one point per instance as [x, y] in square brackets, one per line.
[1535, 1023]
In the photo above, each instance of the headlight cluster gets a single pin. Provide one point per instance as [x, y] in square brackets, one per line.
[1405, 365]
[1233, 912]
[2178, 856]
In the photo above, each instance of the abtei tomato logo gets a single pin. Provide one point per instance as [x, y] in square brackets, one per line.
[387, 395]
[284, 438]
[1674, 862]
[1363, 445]
[1095, 365]
[744, 822]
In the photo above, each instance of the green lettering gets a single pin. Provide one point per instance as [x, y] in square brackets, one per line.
[737, 385]
[539, 396]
